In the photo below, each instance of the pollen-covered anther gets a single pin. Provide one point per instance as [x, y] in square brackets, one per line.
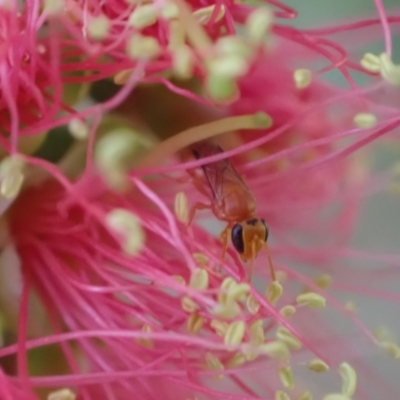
[256, 332]
[146, 342]
[203, 15]
[311, 300]
[98, 27]
[220, 327]
[274, 292]
[252, 304]
[199, 279]
[258, 24]
[213, 363]
[281, 395]
[11, 176]
[336, 396]
[365, 120]
[235, 333]
[233, 45]
[371, 62]
[195, 323]
[389, 71]
[275, 349]
[188, 304]
[302, 78]
[127, 225]
[285, 336]
[52, 7]
[317, 365]
[140, 46]
[78, 129]
[143, 16]
[349, 379]
[238, 292]
[62, 394]
[182, 207]
[391, 348]
[286, 377]
[287, 311]
[306, 396]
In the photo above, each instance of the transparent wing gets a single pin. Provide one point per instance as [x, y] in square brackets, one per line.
[219, 173]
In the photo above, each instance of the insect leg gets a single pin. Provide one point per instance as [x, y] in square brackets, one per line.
[224, 238]
[195, 207]
[271, 265]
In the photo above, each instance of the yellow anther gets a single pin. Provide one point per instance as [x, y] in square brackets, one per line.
[220, 327]
[128, 227]
[275, 349]
[286, 377]
[306, 396]
[274, 292]
[143, 16]
[281, 395]
[258, 24]
[256, 331]
[98, 27]
[199, 279]
[285, 336]
[336, 396]
[183, 61]
[233, 45]
[62, 394]
[11, 176]
[237, 360]
[195, 323]
[252, 304]
[349, 379]
[227, 310]
[169, 10]
[179, 279]
[78, 129]
[228, 66]
[53, 7]
[214, 364]
[221, 88]
[140, 46]
[203, 14]
[235, 333]
[238, 291]
[146, 342]
[311, 300]
[302, 78]
[201, 259]
[391, 348]
[317, 365]
[182, 207]
[323, 281]
[287, 311]
[188, 304]
[389, 71]
[371, 62]
[365, 120]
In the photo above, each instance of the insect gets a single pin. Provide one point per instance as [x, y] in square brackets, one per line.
[232, 202]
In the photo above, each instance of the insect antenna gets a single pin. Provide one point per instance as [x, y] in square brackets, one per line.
[271, 265]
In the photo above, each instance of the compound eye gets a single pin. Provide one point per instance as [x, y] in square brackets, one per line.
[237, 238]
[266, 229]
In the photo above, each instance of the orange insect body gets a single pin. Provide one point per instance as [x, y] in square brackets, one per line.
[234, 203]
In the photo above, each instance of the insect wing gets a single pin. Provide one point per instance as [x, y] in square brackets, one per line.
[219, 173]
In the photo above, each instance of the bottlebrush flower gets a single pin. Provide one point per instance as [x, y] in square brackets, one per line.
[107, 292]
